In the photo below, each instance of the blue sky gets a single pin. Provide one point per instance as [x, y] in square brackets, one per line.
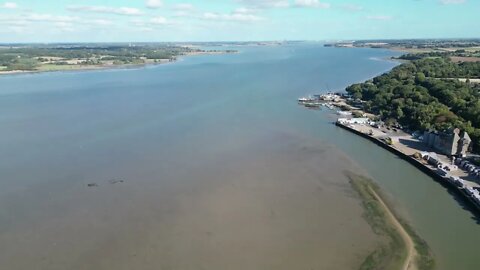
[230, 20]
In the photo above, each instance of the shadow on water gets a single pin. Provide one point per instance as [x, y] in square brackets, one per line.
[464, 203]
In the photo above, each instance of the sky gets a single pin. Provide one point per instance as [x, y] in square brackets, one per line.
[235, 20]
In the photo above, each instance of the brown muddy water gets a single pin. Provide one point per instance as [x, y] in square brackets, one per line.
[203, 164]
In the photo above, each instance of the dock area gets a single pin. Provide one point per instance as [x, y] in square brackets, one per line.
[452, 173]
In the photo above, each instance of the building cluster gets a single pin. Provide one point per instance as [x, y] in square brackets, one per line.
[451, 143]
[330, 97]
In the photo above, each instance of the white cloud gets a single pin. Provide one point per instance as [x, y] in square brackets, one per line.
[351, 7]
[101, 22]
[183, 10]
[13, 23]
[159, 20]
[184, 7]
[181, 14]
[29, 19]
[244, 10]
[242, 14]
[452, 2]
[379, 17]
[148, 25]
[18, 23]
[9, 5]
[18, 29]
[138, 22]
[145, 29]
[29, 22]
[234, 16]
[265, 3]
[64, 26]
[108, 10]
[39, 17]
[311, 4]
[154, 3]
[57, 22]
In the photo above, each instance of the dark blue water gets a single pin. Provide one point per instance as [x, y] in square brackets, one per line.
[176, 134]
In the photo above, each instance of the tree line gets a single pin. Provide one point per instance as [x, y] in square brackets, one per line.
[424, 94]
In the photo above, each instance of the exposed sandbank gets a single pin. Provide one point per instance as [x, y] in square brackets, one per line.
[403, 249]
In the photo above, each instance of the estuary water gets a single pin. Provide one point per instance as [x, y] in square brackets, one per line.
[206, 163]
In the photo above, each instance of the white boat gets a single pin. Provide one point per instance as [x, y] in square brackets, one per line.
[306, 99]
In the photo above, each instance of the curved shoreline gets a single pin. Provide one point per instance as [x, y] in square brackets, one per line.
[85, 68]
[81, 68]
[401, 248]
[458, 192]
[411, 252]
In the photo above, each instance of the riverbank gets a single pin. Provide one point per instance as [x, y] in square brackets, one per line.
[406, 152]
[108, 66]
[403, 248]
[67, 68]
[456, 174]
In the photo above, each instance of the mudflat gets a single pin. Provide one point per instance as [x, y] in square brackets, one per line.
[276, 203]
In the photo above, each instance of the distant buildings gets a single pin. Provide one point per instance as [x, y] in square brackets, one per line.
[452, 143]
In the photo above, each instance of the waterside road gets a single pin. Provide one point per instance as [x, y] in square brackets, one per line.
[406, 147]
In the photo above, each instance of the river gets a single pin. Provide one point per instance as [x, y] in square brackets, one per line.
[206, 163]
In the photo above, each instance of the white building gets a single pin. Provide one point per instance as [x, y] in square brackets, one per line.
[362, 121]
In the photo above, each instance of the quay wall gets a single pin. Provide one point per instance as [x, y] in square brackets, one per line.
[459, 192]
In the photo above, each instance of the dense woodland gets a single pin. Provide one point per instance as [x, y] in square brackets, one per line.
[422, 94]
[419, 43]
[433, 54]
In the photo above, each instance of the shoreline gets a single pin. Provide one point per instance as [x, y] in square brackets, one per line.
[405, 250]
[81, 68]
[84, 68]
[444, 181]
[459, 192]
